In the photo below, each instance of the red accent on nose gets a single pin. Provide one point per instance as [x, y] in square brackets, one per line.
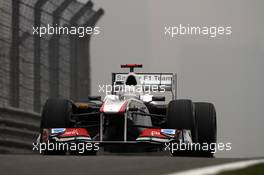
[102, 108]
[123, 107]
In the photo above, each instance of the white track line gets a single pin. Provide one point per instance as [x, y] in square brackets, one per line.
[219, 168]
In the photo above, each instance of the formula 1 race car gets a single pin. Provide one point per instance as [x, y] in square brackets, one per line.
[131, 118]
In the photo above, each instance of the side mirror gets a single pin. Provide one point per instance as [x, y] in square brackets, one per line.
[158, 98]
[94, 98]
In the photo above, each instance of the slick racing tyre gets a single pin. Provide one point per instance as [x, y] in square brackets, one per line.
[56, 114]
[206, 119]
[180, 115]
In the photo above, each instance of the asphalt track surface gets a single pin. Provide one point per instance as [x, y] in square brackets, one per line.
[102, 164]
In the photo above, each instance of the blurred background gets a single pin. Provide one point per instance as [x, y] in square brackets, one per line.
[226, 70]
[34, 68]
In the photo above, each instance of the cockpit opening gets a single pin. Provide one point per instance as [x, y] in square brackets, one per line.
[131, 80]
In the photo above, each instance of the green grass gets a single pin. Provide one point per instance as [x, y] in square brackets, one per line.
[252, 170]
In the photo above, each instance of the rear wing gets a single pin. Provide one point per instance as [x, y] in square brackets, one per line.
[167, 80]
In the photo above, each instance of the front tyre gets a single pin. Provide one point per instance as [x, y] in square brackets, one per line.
[207, 130]
[55, 114]
[180, 115]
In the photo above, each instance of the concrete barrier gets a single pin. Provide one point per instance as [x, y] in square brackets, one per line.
[18, 130]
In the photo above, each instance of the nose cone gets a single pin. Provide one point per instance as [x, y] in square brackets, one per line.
[114, 106]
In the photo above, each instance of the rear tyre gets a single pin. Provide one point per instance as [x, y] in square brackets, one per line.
[180, 115]
[207, 129]
[56, 114]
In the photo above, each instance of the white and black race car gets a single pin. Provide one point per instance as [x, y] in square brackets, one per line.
[131, 118]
